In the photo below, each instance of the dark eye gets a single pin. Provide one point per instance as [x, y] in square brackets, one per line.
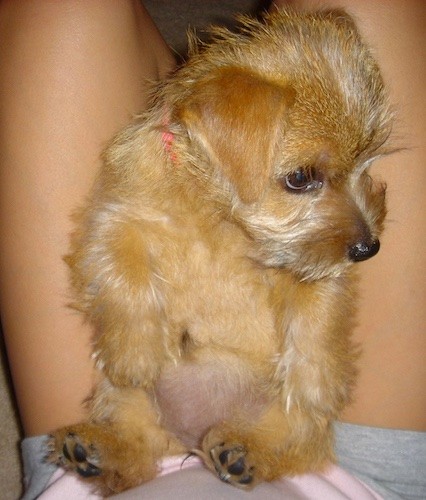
[302, 180]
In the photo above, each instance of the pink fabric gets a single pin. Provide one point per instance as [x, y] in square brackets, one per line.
[179, 475]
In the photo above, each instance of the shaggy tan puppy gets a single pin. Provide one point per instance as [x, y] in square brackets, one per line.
[215, 257]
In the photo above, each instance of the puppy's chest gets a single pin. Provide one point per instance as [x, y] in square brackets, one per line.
[218, 297]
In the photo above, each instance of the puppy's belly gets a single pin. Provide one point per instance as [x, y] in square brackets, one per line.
[193, 396]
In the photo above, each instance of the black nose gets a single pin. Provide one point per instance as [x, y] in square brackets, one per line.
[363, 251]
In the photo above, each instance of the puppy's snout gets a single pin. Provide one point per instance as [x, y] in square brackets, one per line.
[363, 250]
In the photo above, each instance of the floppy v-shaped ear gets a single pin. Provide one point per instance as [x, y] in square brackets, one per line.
[237, 116]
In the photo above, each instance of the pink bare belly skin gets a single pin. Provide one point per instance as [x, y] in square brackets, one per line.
[193, 397]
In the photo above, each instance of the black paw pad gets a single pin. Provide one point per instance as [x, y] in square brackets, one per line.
[80, 454]
[232, 466]
[238, 467]
[83, 459]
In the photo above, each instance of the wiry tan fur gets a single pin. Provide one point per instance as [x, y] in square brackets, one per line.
[222, 299]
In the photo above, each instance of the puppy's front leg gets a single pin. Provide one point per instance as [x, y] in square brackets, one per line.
[317, 365]
[120, 292]
[317, 368]
[315, 373]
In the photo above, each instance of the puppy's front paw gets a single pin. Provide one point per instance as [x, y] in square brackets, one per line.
[72, 452]
[232, 465]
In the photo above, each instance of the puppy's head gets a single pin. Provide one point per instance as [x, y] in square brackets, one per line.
[281, 125]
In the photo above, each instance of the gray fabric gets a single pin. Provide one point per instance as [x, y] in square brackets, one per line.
[37, 471]
[392, 462]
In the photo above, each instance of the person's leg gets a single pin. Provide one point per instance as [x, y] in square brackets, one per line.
[71, 74]
[391, 391]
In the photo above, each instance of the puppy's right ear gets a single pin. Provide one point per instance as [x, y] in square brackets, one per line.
[237, 117]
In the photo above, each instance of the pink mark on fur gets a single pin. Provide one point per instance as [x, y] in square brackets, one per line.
[168, 139]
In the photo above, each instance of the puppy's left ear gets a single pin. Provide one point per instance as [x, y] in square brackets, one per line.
[238, 117]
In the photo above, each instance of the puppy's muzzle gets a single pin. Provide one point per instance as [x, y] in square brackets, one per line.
[362, 250]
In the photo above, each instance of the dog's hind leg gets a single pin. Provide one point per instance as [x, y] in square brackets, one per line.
[244, 453]
[119, 448]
